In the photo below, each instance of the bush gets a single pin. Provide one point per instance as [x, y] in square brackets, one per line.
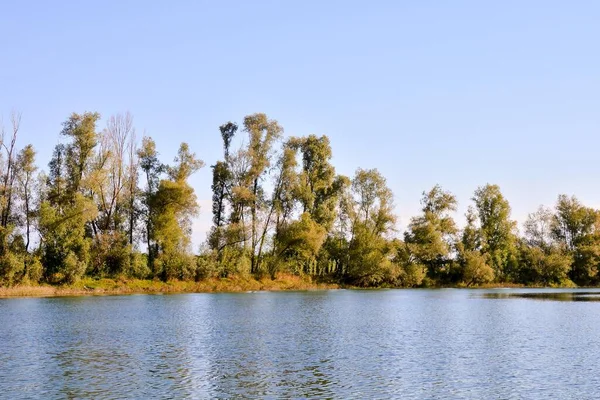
[206, 266]
[412, 275]
[11, 269]
[139, 265]
[475, 269]
[175, 266]
[33, 269]
[73, 268]
[110, 255]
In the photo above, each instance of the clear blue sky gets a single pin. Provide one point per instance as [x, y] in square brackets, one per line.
[459, 93]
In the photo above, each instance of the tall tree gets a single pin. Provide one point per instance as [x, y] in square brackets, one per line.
[109, 184]
[262, 135]
[81, 130]
[131, 192]
[67, 207]
[65, 247]
[576, 228]
[26, 180]
[174, 205]
[221, 188]
[572, 221]
[316, 190]
[370, 210]
[498, 238]
[11, 266]
[538, 228]
[8, 172]
[152, 169]
[431, 236]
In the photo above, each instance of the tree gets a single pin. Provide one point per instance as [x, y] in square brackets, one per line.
[65, 247]
[221, 188]
[112, 186]
[476, 270]
[8, 175]
[238, 180]
[26, 178]
[174, 203]
[81, 129]
[132, 190]
[316, 189]
[262, 133]
[334, 256]
[572, 222]
[538, 228]
[372, 202]
[431, 236]
[542, 260]
[67, 208]
[370, 210]
[497, 230]
[28, 201]
[576, 230]
[300, 241]
[113, 165]
[541, 266]
[152, 169]
[11, 263]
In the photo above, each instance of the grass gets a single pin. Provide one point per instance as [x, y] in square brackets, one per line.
[89, 286]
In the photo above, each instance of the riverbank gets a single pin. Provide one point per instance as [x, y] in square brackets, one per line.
[98, 287]
[234, 284]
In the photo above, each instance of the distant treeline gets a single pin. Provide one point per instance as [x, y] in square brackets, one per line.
[108, 207]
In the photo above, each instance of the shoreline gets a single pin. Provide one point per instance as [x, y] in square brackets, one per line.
[234, 284]
[106, 286]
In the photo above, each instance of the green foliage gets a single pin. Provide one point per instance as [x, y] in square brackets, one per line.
[175, 265]
[369, 257]
[366, 223]
[173, 205]
[221, 182]
[410, 272]
[110, 255]
[586, 261]
[11, 269]
[496, 229]
[317, 189]
[573, 222]
[543, 267]
[34, 269]
[299, 240]
[138, 266]
[431, 236]
[81, 129]
[476, 270]
[65, 247]
[372, 202]
[278, 206]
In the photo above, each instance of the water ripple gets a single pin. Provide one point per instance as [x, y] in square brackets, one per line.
[409, 344]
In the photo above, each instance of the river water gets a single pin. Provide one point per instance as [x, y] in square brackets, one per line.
[409, 344]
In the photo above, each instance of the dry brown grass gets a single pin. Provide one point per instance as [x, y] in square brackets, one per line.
[87, 287]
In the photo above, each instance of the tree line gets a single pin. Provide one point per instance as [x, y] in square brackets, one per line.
[107, 206]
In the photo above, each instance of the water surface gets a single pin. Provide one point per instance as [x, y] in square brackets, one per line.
[410, 344]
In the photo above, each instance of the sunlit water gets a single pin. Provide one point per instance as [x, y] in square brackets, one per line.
[332, 344]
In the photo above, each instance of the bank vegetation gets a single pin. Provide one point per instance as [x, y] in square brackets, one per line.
[108, 209]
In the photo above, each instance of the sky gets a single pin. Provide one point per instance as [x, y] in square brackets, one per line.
[459, 93]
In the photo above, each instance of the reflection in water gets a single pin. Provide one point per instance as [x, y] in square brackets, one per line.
[409, 344]
[554, 296]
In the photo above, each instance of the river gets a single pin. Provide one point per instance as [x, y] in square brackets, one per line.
[409, 344]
